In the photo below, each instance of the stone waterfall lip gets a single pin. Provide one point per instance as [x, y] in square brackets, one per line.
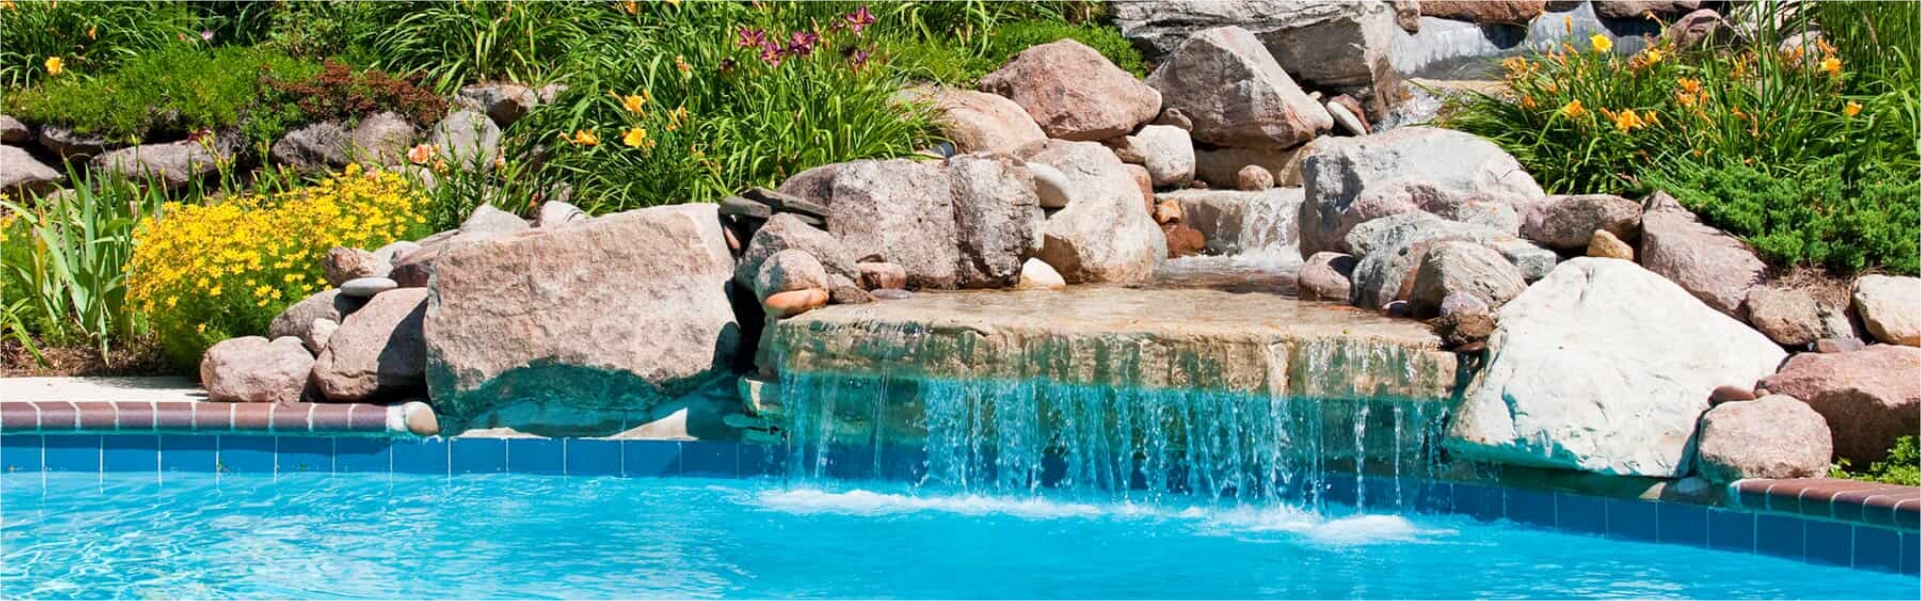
[1252, 342]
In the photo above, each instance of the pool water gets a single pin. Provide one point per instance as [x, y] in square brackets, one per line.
[250, 535]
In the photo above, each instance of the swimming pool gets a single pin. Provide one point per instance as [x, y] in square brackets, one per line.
[208, 535]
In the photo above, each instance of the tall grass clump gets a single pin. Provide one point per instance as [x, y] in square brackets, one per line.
[454, 42]
[1806, 151]
[62, 264]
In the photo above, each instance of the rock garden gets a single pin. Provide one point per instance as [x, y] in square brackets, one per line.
[1667, 239]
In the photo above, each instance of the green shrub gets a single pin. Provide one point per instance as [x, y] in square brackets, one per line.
[1902, 466]
[1008, 40]
[166, 94]
[1843, 217]
[87, 37]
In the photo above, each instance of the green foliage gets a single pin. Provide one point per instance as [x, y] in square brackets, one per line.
[455, 42]
[1003, 43]
[164, 94]
[89, 37]
[1807, 153]
[1902, 466]
[62, 264]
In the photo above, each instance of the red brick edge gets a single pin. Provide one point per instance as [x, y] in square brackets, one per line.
[1853, 501]
[197, 417]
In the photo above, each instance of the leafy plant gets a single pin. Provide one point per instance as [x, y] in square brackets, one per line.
[1902, 465]
[455, 42]
[86, 37]
[62, 260]
[1827, 212]
[164, 94]
[337, 91]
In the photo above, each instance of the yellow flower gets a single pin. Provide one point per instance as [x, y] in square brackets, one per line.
[1573, 109]
[1627, 121]
[1568, 22]
[1654, 55]
[92, 32]
[1527, 102]
[8, 5]
[673, 2]
[55, 66]
[630, 6]
[1689, 85]
[1853, 108]
[635, 137]
[1831, 66]
[1600, 43]
[680, 62]
[634, 103]
[585, 138]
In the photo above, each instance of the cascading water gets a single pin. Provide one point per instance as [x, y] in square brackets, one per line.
[1020, 435]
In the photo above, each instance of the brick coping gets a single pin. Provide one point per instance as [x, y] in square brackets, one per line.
[203, 417]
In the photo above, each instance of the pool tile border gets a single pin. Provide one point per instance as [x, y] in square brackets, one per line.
[1800, 520]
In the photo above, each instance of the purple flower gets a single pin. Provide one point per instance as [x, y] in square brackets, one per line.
[802, 43]
[206, 35]
[750, 38]
[859, 19]
[770, 53]
[857, 59]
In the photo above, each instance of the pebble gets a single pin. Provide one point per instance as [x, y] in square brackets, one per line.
[367, 287]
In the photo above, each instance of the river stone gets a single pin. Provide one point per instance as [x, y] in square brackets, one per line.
[13, 132]
[1221, 167]
[71, 145]
[1462, 267]
[1891, 307]
[1106, 235]
[1331, 44]
[297, 319]
[1253, 178]
[606, 318]
[21, 174]
[1567, 223]
[1166, 151]
[367, 287]
[172, 165]
[1324, 276]
[790, 270]
[1051, 186]
[315, 148]
[1073, 92]
[982, 122]
[554, 213]
[252, 369]
[1638, 9]
[1870, 397]
[378, 353]
[1038, 275]
[1774, 437]
[843, 291]
[319, 332]
[1603, 367]
[467, 139]
[1787, 316]
[383, 138]
[1606, 245]
[1235, 94]
[1346, 118]
[1451, 174]
[487, 220]
[342, 264]
[795, 302]
[1715, 267]
[1485, 12]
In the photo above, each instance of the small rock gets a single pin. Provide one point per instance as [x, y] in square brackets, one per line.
[1461, 329]
[1485, 12]
[1700, 28]
[13, 132]
[318, 332]
[1462, 302]
[1407, 14]
[1567, 222]
[1168, 211]
[1774, 437]
[982, 122]
[1038, 275]
[1183, 241]
[1839, 345]
[329, 305]
[1398, 308]
[1788, 316]
[487, 220]
[1051, 185]
[1870, 397]
[790, 270]
[1325, 276]
[1458, 266]
[378, 353]
[315, 148]
[1166, 151]
[890, 294]
[396, 251]
[343, 264]
[1608, 246]
[252, 369]
[70, 145]
[1145, 181]
[842, 291]
[1174, 117]
[383, 138]
[504, 103]
[795, 302]
[468, 140]
[554, 213]
[21, 174]
[367, 287]
[1253, 178]
[1729, 394]
[1891, 308]
[1346, 118]
[735, 206]
[880, 276]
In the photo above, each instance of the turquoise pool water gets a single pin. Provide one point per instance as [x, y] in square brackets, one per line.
[247, 535]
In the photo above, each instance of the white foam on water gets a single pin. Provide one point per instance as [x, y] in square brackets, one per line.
[1361, 529]
[864, 502]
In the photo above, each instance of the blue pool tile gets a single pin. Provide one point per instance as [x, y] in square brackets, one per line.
[590, 457]
[1829, 542]
[1633, 519]
[762, 460]
[251, 454]
[477, 455]
[72, 453]
[649, 458]
[353, 454]
[1877, 549]
[1730, 530]
[1530, 507]
[20, 452]
[1485, 503]
[713, 459]
[185, 453]
[1779, 536]
[306, 454]
[130, 453]
[1431, 496]
[1683, 524]
[1581, 513]
[420, 456]
[1911, 553]
[1341, 488]
[536, 456]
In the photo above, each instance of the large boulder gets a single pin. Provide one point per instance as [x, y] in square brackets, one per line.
[1073, 92]
[382, 138]
[1870, 397]
[967, 222]
[1166, 151]
[21, 174]
[467, 139]
[170, 165]
[251, 369]
[1106, 234]
[378, 353]
[1568, 223]
[1463, 267]
[1391, 249]
[1774, 437]
[1235, 94]
[1485, 12]
[982, 122]
[1603, 367]
[315, 148]
[578, 329]
[1454, 175]
[1331, 44]
[1715, 267]
[1891, 307]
